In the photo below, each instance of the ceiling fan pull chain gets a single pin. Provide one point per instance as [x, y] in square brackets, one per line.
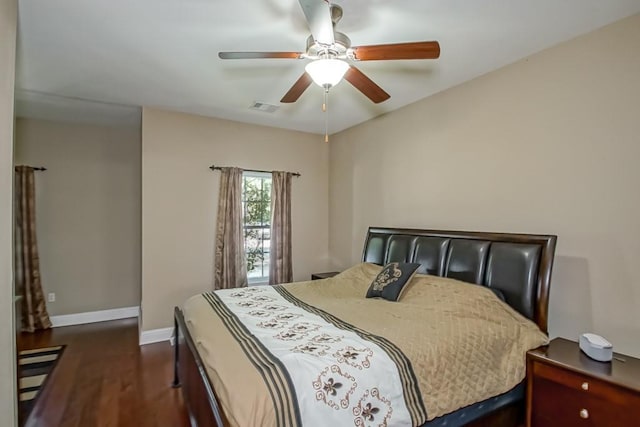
[325, 110]
[324, 100]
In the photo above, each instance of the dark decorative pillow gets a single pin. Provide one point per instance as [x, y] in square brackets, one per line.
[390, 282]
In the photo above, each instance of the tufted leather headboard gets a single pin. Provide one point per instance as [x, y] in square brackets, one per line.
[519, 265]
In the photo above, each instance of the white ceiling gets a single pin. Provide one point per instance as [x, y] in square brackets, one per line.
[163, 53]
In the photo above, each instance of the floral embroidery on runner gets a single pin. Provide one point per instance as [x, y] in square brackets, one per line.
[260, 313]
[262, 298]
[290, 335]
[244, 293]
[273, 307]
[305, 327]
[247, 304]
[326, 338]
[334, 387]
[358, 358]
[272, 324]
[311, 348]
[370, 409]
[287, 316]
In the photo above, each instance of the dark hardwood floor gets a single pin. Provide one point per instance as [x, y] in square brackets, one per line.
[104, 378]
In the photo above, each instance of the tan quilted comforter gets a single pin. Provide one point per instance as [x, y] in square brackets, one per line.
[465, 344]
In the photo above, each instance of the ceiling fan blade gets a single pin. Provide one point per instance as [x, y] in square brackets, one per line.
[318, 16]
[259, 55]
[365, 85]
[413, 50]
[297, 89]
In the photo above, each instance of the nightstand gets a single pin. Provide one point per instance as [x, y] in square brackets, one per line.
[319, 276]
[566, 388]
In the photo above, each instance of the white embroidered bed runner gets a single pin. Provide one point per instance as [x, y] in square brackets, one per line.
[320, 371]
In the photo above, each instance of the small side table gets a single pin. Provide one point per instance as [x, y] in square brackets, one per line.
[566, 388]
[320, 276]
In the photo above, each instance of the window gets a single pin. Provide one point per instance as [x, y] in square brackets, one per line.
[256, 208]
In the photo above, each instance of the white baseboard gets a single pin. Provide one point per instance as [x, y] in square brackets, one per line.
[94, 316]
[156, 335]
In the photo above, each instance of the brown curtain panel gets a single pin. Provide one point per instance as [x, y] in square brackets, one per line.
[280, 267]
[230, 263]
[27, 262]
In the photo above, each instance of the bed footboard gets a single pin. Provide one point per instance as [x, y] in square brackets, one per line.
[191, 375]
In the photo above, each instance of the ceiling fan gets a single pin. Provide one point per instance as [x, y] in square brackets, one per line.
[328, 49]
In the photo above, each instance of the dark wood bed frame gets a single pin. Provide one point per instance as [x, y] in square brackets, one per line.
[191, 375]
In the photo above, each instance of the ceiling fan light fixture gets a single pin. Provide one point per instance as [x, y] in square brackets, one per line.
[327, 72]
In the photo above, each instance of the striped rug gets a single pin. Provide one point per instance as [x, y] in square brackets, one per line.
[34, 367]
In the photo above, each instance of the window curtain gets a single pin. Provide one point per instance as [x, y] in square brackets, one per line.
[27, 262]
[280, 266]
[230, 263]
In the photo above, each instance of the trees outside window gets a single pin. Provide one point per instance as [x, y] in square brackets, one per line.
[256, 205]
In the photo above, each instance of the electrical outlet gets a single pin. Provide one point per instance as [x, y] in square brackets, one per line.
[52, 297]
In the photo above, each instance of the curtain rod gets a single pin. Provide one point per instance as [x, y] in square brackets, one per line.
[212, 167]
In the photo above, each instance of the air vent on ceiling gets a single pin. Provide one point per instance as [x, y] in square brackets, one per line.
[265, 108]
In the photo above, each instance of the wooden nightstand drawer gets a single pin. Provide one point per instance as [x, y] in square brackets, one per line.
[565, 388]
[583, 385]
[555, 404]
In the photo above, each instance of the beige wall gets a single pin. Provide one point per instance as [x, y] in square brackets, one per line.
[546, 145]
[180, 193]
[8, 20]
[87, 212]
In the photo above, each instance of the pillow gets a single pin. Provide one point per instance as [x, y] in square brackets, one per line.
[390, 282]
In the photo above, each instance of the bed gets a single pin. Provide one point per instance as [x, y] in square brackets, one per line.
[513, 271]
